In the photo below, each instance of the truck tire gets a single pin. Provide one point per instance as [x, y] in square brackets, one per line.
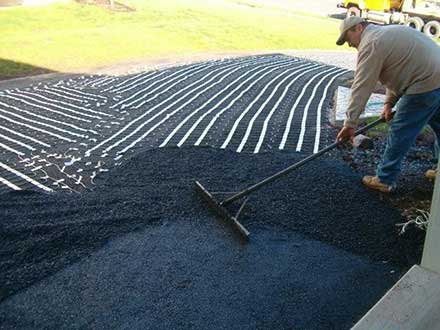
[415, 22]
[353, 11]
[432, 29]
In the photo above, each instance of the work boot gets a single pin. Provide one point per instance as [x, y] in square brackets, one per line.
[373, 182]
[430, 174]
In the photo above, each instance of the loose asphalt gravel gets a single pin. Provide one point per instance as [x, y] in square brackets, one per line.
[142, 251]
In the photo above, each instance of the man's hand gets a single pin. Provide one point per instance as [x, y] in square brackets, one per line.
[346, 133]
[387, 112]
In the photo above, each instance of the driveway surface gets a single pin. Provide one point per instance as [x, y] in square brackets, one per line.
[142, 251]
[137, 249]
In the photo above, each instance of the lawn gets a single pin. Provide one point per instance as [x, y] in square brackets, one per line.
[70, 37]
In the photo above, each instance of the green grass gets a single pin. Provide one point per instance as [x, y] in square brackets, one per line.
[379, 130]
[71, 37]
[382, 129]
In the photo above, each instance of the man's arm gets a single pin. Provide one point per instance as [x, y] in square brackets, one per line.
[391, 97]
[368, 69]
[369, 66]
[387, 111]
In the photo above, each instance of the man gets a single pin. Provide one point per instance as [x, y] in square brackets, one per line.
[407, 63]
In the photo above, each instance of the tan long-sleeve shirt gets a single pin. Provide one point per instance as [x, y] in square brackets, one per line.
[404, 60]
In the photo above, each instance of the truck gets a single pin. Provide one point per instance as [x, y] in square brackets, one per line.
[421, 15]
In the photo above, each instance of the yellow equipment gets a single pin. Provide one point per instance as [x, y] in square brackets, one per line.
[421, 15]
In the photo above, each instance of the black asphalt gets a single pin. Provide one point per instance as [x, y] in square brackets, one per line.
[62, 134]
[142, 251]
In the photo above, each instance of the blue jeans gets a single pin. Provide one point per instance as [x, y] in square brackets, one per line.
[413, 112]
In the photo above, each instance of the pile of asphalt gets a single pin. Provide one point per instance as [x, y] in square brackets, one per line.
[41, 234]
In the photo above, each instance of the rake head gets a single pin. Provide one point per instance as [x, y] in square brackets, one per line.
[221, 211]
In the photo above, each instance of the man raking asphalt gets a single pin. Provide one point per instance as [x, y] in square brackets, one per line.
[219, 207]
[407, 63]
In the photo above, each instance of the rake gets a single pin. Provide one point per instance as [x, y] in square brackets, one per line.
[219, 206]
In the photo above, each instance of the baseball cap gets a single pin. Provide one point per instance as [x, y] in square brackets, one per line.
[346, 25]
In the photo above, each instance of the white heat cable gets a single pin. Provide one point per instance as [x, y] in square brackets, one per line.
[80, 83]
[27, 160]
[292, 110]
[78, 181]
[88, 152]
[309, 102]
[67, 104]
[261, 108]
[57, 182]
[109, 82]
[144, 77]
[85, 81]
[84, 94]
[222, 71]
[76, 93]
[92, 177]
[52, 101]
[185, 77]
[37, 129]
[185, 73]
[43, 124]
[17, 142]
[269, 116]
[144, 91]
[25, 177]
[37, 103]
[47, 177]
[125, 82]
[168, 115]
[244, 112]
[4, 146]
[162, 91]
[9, 184]
[47, 109]
[49, 91]
[139, 82]
[231, 103]
[241, 65]
[92, 79]
[181, 123]
[104, 82]
[97, 80]
[30, 138]
[331, 71]
[182, 106]
[42, 117]
[319, 111]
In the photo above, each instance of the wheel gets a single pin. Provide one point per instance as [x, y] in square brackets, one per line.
[415, 22]
[353, 11]
[432, 29]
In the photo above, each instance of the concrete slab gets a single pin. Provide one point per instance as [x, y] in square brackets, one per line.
[412, 304]
[342, 97]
